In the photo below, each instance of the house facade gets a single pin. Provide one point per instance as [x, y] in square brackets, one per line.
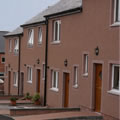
[70, 55]
[33, 60]
[2, 60]
[13, 84]
[2, 53]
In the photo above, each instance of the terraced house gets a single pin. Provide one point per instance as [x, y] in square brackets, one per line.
[70, 55]
[2, 60]
[12, 64]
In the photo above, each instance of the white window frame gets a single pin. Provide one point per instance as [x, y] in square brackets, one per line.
[85, 67]
[10, 45]
[116, 18]
[29, 74]
[30, 37]
[55, 86]
[75, 84]
[15, 78]
[113, 66]
[16, 44]
[113, 90]
[40, 35]
[58, 33]
[2, 59]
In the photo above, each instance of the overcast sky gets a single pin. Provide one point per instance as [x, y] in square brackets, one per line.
[16, 12]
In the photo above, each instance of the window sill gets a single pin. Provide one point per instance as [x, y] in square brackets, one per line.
[55, 42]
[29, 82]
[16, 53]
[114, 92]
[39, 43]
[54, 89]
[75, 86]
[85, 75]
[15, 85]
[30, 45]
[115, 24]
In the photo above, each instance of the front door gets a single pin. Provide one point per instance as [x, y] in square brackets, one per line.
[66, 89]
[38, 81]
[98, 86]
[9, 82]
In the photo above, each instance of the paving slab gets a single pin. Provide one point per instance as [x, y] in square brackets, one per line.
[56, 115]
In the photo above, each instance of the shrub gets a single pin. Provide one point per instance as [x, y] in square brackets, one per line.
[28, 96]
[36, 97]
[13, 98]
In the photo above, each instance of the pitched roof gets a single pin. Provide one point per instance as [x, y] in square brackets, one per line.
[2, 41]
[18, 30]
[61, 6]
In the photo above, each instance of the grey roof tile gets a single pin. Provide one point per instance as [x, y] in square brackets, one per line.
[18, 30]
[61, 6]
[2, 41]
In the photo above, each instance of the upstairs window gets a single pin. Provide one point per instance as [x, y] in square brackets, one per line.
[116, 77]
[31, 37]
[116, 10]
[16, 48]
[40, 35]
[56, 34]
[10, 45]
[29, 74]
[2, 59]
[15, 77]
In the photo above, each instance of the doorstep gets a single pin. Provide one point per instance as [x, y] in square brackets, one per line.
[20, 111]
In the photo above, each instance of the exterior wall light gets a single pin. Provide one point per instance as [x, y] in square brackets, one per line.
[97, 51]
[38, 61]
[25, 65]
[65, 62]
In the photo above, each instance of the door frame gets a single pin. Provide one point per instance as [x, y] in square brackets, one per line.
[63, 92]
[37, 78]
[9, 82]
[21, 91]
[94, 63]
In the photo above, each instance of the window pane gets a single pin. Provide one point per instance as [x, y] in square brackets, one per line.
[31, 37]
[54, 79]
[10, 45]
[40, 35]
[85, 64]
[118, 10]
[116, 78]
[56, 30]
[75, 75]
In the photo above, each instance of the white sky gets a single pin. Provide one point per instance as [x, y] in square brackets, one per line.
[16, 12]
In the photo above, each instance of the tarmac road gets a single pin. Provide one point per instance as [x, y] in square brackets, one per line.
[3, 117]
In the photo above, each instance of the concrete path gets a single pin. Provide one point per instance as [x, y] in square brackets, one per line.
[56, 115]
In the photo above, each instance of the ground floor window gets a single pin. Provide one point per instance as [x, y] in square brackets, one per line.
[85, 65]
[54, 80]
[29, 74]
[15, 77]
[116, 77]
[75, 76]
